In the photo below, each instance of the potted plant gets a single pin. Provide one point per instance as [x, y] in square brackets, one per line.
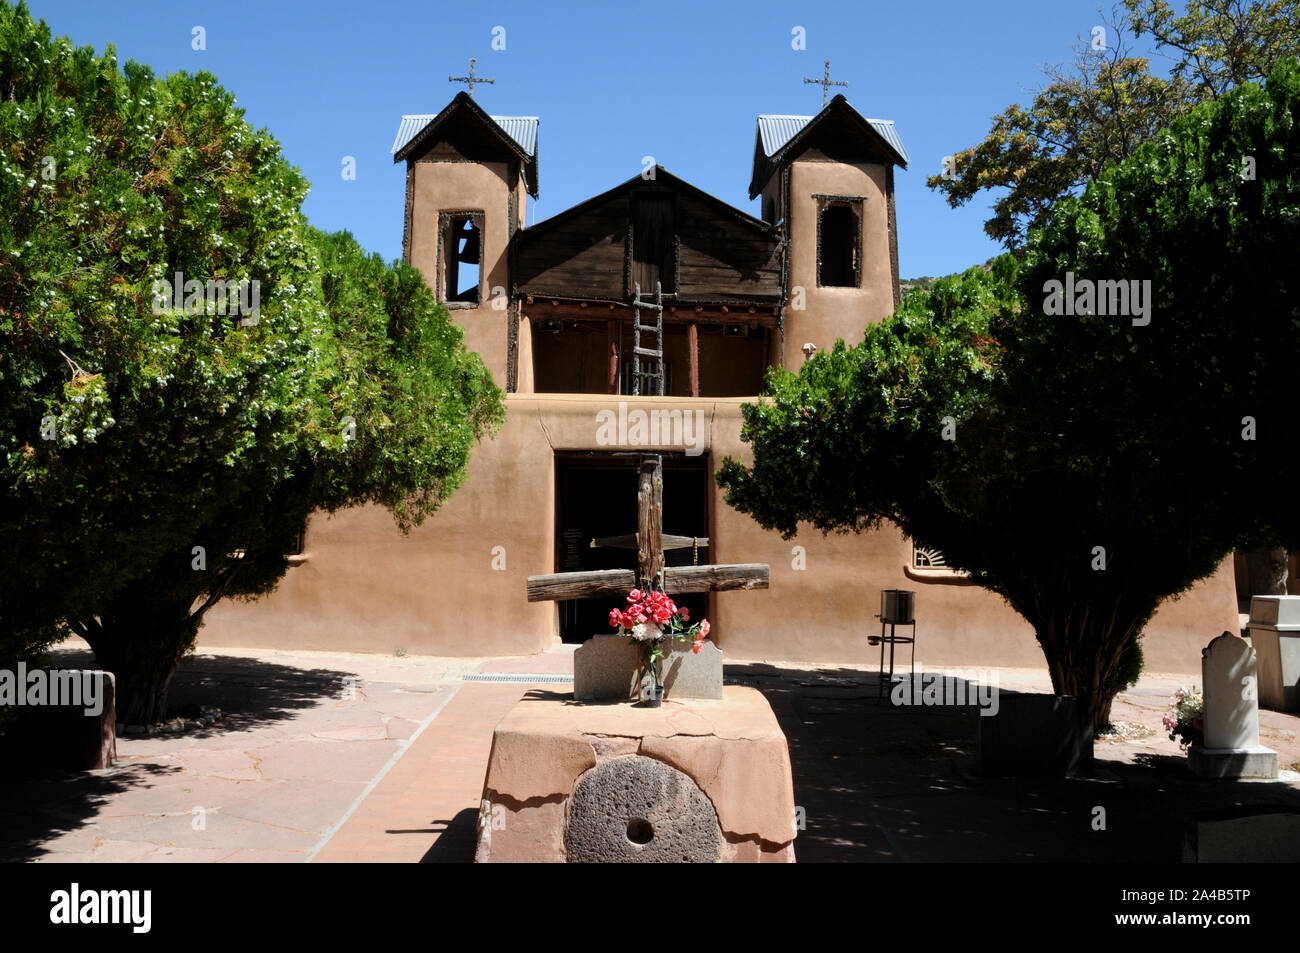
[1185, 720]
[650, 619]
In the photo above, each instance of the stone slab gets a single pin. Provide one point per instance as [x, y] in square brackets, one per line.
[610, 667]
[1278, 653]
[45, 737]
[1252, 762]
[1275, 610]
[1242, 836]
[732, 749]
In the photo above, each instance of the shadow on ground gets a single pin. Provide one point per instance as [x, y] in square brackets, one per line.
[251, 693]
[457, 839]
[883, 783]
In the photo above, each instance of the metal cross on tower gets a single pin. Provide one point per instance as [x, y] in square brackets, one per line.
[471, 79]
[825, 82]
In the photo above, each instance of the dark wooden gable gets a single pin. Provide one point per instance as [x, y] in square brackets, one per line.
[701, 249]
[839, 132]
[464, 131]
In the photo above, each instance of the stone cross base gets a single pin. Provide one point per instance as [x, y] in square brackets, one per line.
[612, 667]
[1253, 762]
[696, 780]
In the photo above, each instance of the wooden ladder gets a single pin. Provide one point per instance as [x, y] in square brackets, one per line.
[656, 377]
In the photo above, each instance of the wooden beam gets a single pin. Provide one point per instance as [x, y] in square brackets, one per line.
[560, 586]
[629, 541]
[716, 578]
[650, 522]
[693, 352]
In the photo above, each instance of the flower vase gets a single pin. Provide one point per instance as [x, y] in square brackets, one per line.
[652, 694]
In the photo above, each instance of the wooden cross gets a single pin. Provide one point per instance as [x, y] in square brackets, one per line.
[825, 82]
[471, 79]
[650, 572]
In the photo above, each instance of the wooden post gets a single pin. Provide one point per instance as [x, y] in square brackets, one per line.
[650, 522]
[693, 349]
[611, 347]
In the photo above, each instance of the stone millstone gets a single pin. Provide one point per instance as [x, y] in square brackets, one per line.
[634, 809]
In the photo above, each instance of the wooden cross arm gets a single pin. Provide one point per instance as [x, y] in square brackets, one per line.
[716, 578]
[629, 541]
[561, 586]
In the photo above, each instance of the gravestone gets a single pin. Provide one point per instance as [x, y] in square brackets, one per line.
[1275, 634]
[1231, 748]
[609, 667]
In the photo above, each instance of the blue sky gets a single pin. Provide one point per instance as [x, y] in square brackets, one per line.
[611, 82]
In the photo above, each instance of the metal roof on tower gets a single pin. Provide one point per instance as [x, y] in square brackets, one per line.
[522, 129]
[781, 139]
[775, 131]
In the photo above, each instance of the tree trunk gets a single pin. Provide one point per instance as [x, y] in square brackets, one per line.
[1267, 569]
[1084, 645]
[142, 646]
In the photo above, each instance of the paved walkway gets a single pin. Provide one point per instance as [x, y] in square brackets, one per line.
[337, 757]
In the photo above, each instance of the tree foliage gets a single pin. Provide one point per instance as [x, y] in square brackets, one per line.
[1107, 103]
[1077, 436]
[158, 458]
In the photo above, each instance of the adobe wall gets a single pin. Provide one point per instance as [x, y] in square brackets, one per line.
[456, 185]
[363, 587]
[834, 313]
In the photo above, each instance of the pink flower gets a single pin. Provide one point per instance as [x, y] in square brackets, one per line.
[634, 595]
[615, 618]
[699, 644]
[660, 614]
[704, 628]
[684, 614]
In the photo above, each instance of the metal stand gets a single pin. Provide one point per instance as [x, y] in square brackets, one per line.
[892, 639]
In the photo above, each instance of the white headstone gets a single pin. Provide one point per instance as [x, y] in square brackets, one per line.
[1231, 718]
[1231, 693]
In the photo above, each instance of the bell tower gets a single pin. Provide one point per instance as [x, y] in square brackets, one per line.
[827, 182]
[468, 178]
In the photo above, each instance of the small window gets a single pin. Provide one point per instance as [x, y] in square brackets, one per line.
[462, 242]
[838, 239]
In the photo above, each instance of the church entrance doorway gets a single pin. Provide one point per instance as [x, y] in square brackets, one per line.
[596, 499]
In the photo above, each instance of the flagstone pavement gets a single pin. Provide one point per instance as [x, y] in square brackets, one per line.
[339, 757]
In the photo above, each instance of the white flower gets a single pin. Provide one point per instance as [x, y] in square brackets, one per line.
[647, 632]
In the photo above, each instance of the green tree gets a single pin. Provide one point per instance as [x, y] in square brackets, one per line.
[161, 457]
[1107, 103]
[1217, 44]
[1102, 462]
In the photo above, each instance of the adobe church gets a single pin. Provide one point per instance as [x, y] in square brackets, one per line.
[553, 309]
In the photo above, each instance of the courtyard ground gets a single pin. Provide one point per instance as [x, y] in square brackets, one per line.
[335, 757]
